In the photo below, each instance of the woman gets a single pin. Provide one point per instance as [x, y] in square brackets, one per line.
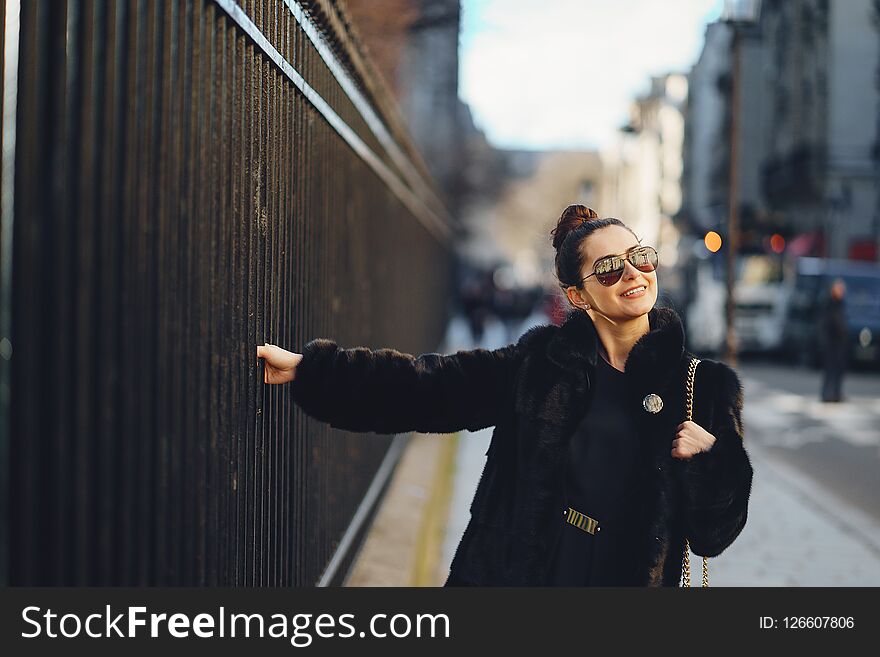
[589, 432]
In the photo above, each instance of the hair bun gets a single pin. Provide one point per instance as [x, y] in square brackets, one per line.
[572, 217]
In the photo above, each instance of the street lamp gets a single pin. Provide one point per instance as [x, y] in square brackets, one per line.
[737, 14]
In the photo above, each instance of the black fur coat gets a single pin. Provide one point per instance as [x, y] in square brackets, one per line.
[534, 393]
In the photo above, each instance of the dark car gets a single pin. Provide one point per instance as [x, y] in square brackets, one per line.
[809, 293]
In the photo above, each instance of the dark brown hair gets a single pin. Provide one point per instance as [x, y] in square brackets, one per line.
[574, 226]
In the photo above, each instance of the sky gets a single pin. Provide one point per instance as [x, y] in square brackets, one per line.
[560, 74]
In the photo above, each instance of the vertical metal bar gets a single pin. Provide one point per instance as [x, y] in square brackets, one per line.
[213, 246]
[10, 10]
[82, 113]
[201, 63]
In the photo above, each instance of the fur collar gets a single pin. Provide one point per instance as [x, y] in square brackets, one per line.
[653, 359]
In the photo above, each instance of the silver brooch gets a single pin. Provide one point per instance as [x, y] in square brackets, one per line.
[652, 403]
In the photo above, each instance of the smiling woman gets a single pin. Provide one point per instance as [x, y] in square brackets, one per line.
[592, 478]
[607, 272]
[591, 276]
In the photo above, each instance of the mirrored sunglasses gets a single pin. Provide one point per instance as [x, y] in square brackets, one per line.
[609, 270]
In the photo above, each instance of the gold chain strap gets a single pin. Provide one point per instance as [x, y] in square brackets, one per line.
[685, 561]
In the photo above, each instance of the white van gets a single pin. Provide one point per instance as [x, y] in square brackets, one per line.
[761, 301]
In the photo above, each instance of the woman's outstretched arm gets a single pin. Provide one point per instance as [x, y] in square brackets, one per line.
[387, 391]
[717, 483]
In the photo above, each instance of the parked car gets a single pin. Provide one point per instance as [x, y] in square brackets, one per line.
[809, 293]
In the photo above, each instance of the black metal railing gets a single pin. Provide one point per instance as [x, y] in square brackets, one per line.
[192, 179]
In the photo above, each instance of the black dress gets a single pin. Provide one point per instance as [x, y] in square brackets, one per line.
[601, 483]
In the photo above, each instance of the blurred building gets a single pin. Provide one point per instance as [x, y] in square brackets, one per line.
[511, 221]
[707, 134]
[506, 201]
[852, 183]
[414, 44]
[642, 172]
[808, 128]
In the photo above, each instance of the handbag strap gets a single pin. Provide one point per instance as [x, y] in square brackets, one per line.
[689, 412]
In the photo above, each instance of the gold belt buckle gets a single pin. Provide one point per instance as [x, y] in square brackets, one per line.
[581, 521]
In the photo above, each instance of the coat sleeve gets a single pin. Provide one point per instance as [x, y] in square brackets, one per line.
[717, 483]
[386, 391]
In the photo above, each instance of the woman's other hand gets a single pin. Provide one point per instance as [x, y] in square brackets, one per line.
[691, 439]
[280, 365]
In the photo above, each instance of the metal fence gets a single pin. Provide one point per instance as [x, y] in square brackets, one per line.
[191, 179]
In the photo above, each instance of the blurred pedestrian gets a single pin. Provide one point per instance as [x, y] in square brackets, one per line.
[835, 343]
[503, 303]
[475, 303]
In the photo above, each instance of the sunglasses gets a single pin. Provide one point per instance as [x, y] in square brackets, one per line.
[609, 270]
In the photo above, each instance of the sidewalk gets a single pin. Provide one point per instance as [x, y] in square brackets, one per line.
[403, 544]
[797, 535]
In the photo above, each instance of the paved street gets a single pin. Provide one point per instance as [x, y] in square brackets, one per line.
[814, 513]
[837, 445]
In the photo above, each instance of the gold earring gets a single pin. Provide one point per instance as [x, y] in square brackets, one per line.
[586, 306]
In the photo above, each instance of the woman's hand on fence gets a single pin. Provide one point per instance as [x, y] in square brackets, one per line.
[280, 365]
[691, 439]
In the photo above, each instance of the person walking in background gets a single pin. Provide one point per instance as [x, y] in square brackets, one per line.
[474, 304]
[834, 343]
